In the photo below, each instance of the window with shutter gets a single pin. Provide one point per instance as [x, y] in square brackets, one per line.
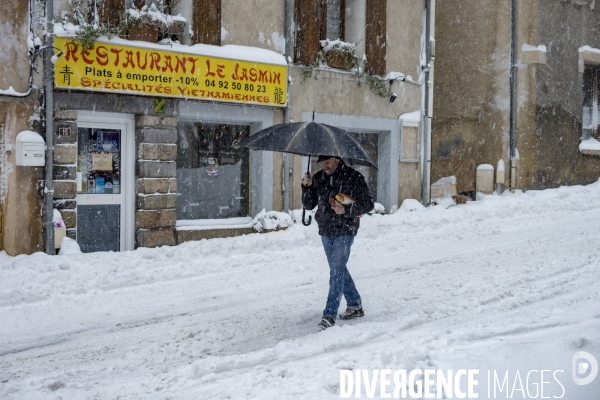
[317, 20]
[376, 37]
[110, 11]
[591, 112]
[207, 22]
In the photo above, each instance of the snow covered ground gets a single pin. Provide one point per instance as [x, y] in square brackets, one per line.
[509, 286]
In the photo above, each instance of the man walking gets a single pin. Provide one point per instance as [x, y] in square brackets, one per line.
[338, 224]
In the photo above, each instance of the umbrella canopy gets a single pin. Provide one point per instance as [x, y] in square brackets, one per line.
[309, 139]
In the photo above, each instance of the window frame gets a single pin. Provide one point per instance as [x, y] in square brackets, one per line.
[310, 18]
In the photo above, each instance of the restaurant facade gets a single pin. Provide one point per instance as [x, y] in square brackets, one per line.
[144, 132]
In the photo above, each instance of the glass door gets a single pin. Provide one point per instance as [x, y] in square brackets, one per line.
[99, 182]
[104, 188]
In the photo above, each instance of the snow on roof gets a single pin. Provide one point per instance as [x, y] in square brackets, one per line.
[230, 51]
[484, 167]
[414, 116]
[30, 136]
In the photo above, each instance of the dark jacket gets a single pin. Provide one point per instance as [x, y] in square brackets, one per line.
[343, 180]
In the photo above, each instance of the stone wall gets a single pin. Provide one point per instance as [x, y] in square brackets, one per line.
[19, 186]
[64, 174]
[156, 184]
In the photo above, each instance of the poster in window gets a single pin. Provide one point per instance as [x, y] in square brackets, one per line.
[102, 162]
[107, 141]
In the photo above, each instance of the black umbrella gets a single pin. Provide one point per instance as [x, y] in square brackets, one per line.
[309, 139]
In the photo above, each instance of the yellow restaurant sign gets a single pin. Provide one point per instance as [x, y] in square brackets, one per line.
[117, 68]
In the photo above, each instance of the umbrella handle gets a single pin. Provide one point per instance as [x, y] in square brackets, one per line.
[306, 223]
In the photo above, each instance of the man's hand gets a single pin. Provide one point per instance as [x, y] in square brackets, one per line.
[307, 180]
[338, 208]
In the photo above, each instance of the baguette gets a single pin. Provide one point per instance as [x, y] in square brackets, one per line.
[342, 199]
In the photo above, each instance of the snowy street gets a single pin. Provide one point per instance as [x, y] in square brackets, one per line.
[507, 284]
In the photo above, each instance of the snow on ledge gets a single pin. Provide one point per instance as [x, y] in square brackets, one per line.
[590, 49]
[12, 92]
[590, 146]
[230, 51]
[395, 75]
[414, 116]
[533, 54]
[588, 54]
[528, 47]
[207, 224]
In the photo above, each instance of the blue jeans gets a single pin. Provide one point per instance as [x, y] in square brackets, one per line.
[337, 250]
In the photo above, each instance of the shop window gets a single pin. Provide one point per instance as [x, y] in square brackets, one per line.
[212, 175]
[591, 112]
[376, 37]
[409, 142]
[207, 22]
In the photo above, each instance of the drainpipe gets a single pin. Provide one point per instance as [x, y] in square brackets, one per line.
[425, 184]
[513, 95]
[286, 113]
[49, 108]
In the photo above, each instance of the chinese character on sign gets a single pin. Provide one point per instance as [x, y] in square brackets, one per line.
[279, 96]
[66, 73]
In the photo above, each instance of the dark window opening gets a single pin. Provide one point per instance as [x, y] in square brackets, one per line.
[212, 175]
[335, 11]
[370, 143]
[591, 89]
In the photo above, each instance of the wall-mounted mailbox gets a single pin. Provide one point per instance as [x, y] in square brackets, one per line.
[31, 149]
